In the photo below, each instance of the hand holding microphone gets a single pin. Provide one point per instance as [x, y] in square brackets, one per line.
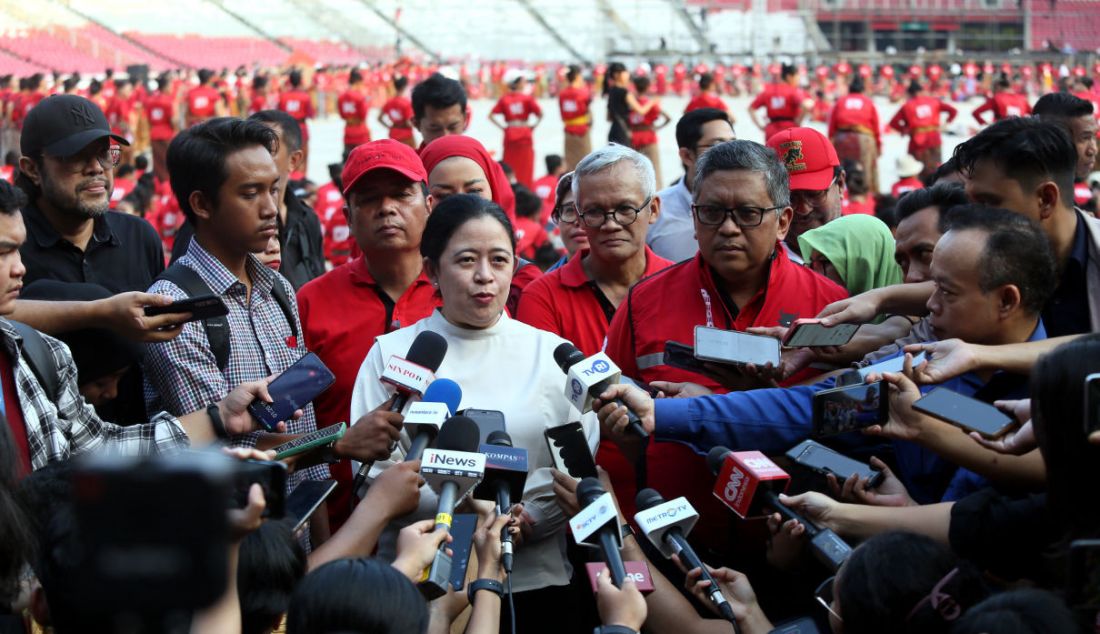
[589, 378]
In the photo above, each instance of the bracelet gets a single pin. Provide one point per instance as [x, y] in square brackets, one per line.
[492, 585]
[216, 421]
[614, 629]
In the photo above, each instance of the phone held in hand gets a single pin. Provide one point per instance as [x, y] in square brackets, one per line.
[292, 390]
[809, 333]
[569, 450]
[965, 412]
[313, 440]
[850, 408]
[735, 348]
[822, 460]
[201, 307]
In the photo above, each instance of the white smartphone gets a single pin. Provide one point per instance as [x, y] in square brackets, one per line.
[895, 365]
[737, 348]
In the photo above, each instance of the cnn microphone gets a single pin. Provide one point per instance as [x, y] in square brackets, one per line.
[505, 477]
[587, 378]
[749, 482]
[450, 469]
[666, 525]
[426, 416]
[411, 375]
[598, 525]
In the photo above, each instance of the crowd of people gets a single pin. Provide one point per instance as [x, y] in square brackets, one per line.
[977, 274]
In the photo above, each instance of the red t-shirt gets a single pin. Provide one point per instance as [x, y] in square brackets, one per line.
[855, 112]
[905, 185]
[573, 103]
[850, 207]
[7, 173]
[546, 189]
[353, 110]
[297, 104]
[1003, 105]
[400, 113]
[201, 103]
[530, 235]
[782, 101]
[641, 125]
[920, 119]
[159, 110]
[22, 104]
[516, 107]
[14, 414]
[706, 100]
[122, 187]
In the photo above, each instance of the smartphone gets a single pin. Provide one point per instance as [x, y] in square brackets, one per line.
[305, 498]
[681, 356]
[1092, 403]
[970, 414]
[804, 625]
[309, 442]
[737, 348]
[1083, 589]
[488, 421]
[809, 333]
[270, 475]
[462, 530]
[292, 390]
[569, 450]
[201, 307]
[895, 365]
[822, 460]
[849, 408]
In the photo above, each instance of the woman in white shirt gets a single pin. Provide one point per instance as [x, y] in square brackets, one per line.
[500, 364]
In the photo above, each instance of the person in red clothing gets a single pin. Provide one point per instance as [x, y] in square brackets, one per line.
[579, 300]
[339, 244]
[261, 98]
[121, 116]
[297, 103]
[385, 289]
[907, 168]
[1003, 104]
[516, 108]
[545, 186]
[816, 181]
[397, 113]
[707, 97]
[352, 106]
[920, 118]
[203, 101]
[679, 77]
[644, 126]
[160, 111]
[532, 241]
[574, 102]
[855, 131]
[740, 278]
[784, 102]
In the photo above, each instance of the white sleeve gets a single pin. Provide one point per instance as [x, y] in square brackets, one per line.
[367, 394]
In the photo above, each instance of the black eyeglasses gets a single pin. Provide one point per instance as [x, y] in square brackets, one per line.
[824, 596]
[744, 217]
[596, 217]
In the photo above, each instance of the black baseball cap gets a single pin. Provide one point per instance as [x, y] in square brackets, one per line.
[63, 125]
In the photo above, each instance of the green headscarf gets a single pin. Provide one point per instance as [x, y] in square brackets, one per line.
[860, 247]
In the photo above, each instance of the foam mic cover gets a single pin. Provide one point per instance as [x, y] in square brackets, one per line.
[444, 391]
[566, 355]
[459, 433]
[428, 350]
[499, 438]
[423, 419]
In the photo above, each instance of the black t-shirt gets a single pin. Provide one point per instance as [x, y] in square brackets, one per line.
[620, 114]
[303, 250]
[1067, 311]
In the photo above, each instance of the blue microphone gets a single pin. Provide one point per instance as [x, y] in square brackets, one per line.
[424, 418]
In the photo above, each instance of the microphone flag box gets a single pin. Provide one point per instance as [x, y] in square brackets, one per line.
[585, 374]
[421, 413]
[637, 571]
[594, 516]
[406, 376]
[743, 475]
[658, 520]
[461, 467]
[506, 463]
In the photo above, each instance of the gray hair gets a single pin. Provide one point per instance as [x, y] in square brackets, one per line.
[605, 157]
[746, 155]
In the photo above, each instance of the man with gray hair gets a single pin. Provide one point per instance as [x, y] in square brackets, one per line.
[740, 278]
[616, 202]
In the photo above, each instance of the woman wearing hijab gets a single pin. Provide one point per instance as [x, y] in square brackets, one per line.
[854, 251]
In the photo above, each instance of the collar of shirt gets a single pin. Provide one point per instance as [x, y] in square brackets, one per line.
[1079, 253]
[573, 275]
[676, 200]
[47, 237]
[777, 266]
[220, 279]
[360, 274]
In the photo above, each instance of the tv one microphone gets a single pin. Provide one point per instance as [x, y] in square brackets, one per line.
[749, 482]
[588, 377]
[411, 375]
[598, 525]
[505, 477]
[666, 525]
[425, 417]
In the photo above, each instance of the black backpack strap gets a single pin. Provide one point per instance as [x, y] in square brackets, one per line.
[278, 291]
[39, 356]
[217, 328]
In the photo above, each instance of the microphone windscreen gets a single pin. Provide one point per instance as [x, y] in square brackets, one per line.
[459, 433]
[588, 490]
[443, 391]
[566, 356]
[499, 438]
[647, 499]
[428, 350]
[715, 457]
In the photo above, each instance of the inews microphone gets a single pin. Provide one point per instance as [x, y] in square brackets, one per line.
[667, 524]
[426, 416]
[748, 482]
[411, 375]
[450, 469]
[598, 524]
[587, 378]
[505, 477]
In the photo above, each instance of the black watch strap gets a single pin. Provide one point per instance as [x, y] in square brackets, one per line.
[216, 421]
[627, 530]
[614, 629]
[492, 585]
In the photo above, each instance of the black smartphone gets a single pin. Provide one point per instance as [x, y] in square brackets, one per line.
[649, 389]
[462, 530]
[292, 390]
[201, 307]
[569, 450]
[822, 460]
[804, 625]
[1083, 588]
[964, 412]
[850, 408]
[488, 421]
[302, 444]
[1092, 403]
[682, 356]
[305, 498]
[271, 476]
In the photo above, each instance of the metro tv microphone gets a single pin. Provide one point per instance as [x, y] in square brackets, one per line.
[426, 416]
[505, 477]
[589, 377]
[412, 375]
[667, 524]
[598, 525]
[748, 482]
[451, 469]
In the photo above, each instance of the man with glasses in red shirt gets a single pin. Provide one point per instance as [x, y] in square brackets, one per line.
[817, 181]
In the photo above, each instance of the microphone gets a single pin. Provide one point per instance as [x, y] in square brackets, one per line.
[410, 376]
[666, 525]
[424, 418]
[749, 482]
[451, 469]
[589, 377]
[505, 477]
[598, 525]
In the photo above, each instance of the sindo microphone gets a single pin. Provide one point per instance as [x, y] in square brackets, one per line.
[666, 525]
[505, 477]
[588, 377]
[598, 524]
[425, 417]
[749, 483]
[411, 375]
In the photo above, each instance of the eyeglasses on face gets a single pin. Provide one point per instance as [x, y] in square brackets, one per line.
[745, 216]
[107, 156]
[595, 217]
[814, 199]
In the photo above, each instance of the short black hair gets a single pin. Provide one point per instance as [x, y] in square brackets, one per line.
[947, 168]
[641, 83]
[354, 77]
[553, 162]
[706, 80]
[438, 92]
[205, 74]
[914, 88]
[787, 70]
[942, 196]
[1061, 105]
[1026, 149]
[857, 86]
[399, 83]
[196, 157]
[289, 129]
[272, 563]
[689, 129]
[357, 595]
[12, 199]
[295, 78]
[448, 216]
[141, 162]
[528, 203]
[573, 72]
[1016, 252]
[1023, 611]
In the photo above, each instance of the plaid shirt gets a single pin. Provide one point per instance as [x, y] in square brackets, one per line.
[182, 375]
[70, 427]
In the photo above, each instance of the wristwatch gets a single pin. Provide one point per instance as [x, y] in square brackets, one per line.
[492, 585]
[614, 629]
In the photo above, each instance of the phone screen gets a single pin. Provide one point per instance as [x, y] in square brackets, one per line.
[305, 498]
[822, 459]
[1092, 403]
[849, 408]
[488, 421]
[965, 412]
[462, 530]
[292, 390]
[815, 335]
[569, 450]
[731, 346]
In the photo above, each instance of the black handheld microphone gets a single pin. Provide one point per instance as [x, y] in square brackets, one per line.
[597, 376]
[505, 477]
[589, 492]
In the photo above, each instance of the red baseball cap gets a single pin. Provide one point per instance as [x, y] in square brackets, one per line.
[382, 154]
[809, 157]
